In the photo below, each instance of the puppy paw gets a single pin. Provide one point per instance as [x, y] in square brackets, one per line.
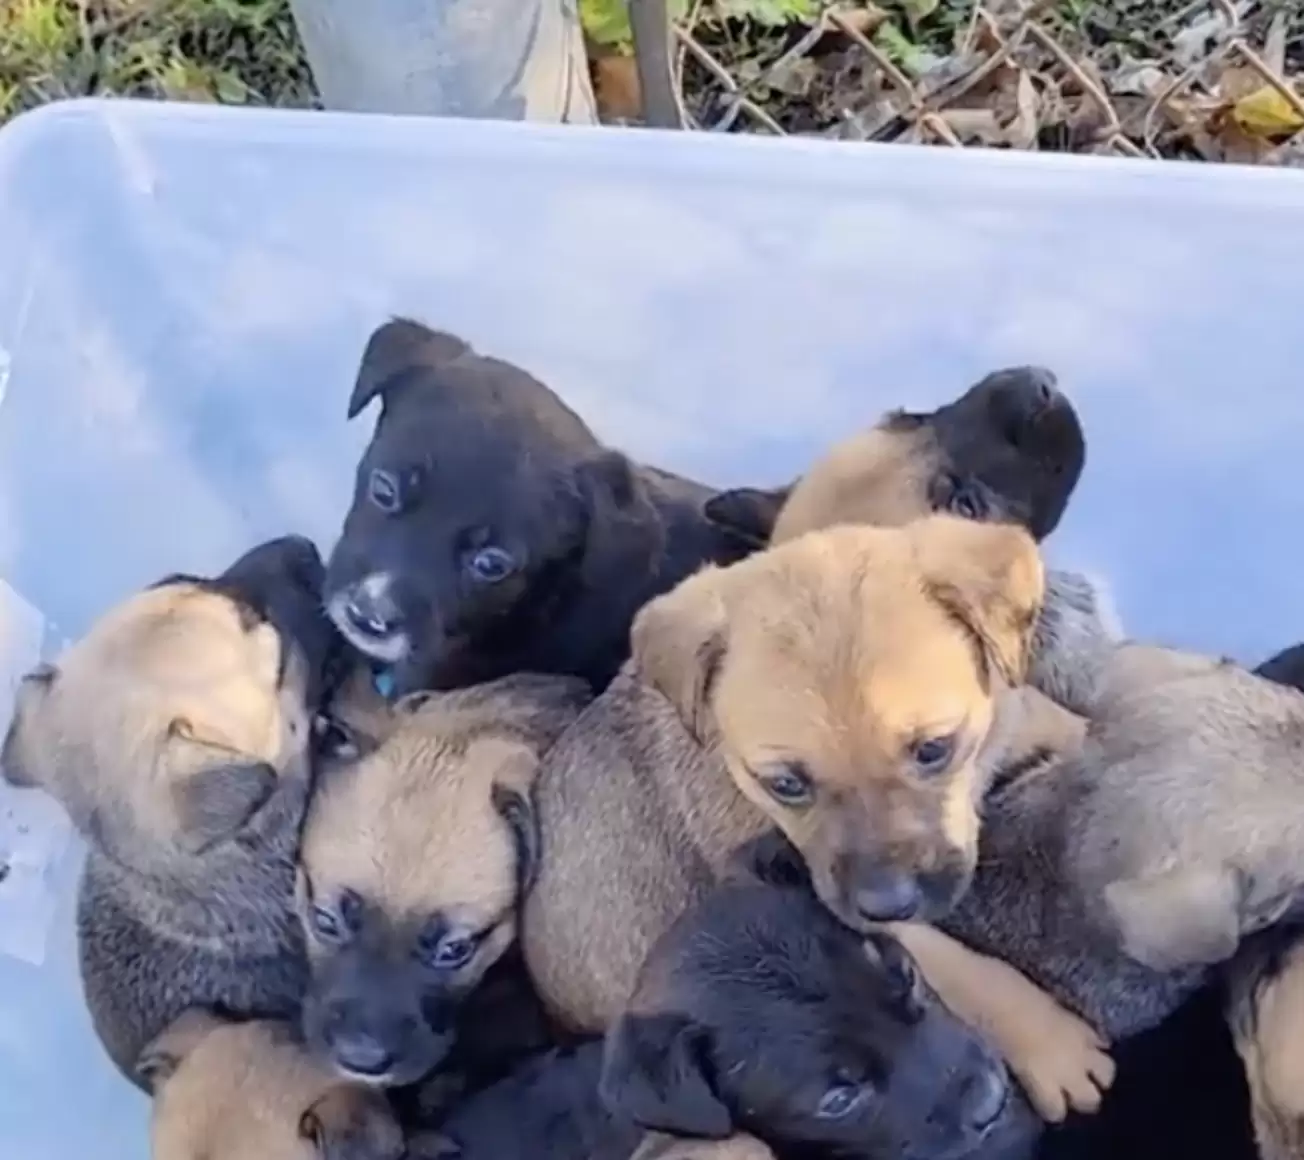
[1076, 631]
[1060, 1060]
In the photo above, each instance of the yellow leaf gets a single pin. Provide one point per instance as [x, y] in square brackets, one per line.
[1266, 113]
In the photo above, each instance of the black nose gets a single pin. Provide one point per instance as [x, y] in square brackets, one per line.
[373, 613]
[887, 896]
[360, 1053]
[984, 1096]
[1022, 394]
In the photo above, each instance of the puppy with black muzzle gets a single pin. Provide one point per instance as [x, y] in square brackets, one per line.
[490, 532]
[226, 1090]
[1010, 449]
[758, 1012]
[758, 1017]
[414, 863]
[845, 686]
[177, 736]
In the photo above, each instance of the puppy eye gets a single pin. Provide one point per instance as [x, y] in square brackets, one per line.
[933, 754]
[385, 492]
[452, 952]
[961, 497]
[788, 784]
[334, 739]
[840, 1100]
[326, 925]
[490, 565]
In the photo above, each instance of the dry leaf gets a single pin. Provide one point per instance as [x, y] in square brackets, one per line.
[978, 126]
[1021, 132]
[1267, 114]
[1140, 78]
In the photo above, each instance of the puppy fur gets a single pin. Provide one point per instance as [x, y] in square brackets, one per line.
[240, 1090]
[758, 1011]
[491, 532]
[414, 862]
[176, 734]
[1010, 449]
[817, 668]
[1265, 1000]
[755, 1008]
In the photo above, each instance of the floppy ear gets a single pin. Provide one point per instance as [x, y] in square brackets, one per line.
[678, 642]
[395, 347]
[216, 789]
[159, 1059]
[610, 484]
[748, 513]
[654, 1071]
[774, 860]
[991, 579]
[31, 690]
[515, 805]
[352, 1122]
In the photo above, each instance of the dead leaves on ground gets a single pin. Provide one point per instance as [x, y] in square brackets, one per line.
[1219, 81]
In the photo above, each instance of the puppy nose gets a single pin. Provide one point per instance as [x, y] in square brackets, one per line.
[983, 1098]
[887, 896]
[1024, 393]
[360, 1053]
[372, 608]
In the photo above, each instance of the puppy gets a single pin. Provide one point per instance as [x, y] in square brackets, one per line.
[757, 1012]
[240, 1091]
[414, 863]
[1265, 1001]
[1010, 449]
[490, 532]
[176, 734]
[1186, 834]
[844, 686]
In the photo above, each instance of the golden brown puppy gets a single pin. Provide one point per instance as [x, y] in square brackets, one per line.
[176, 734]
[413, 866]
[249, 1091]
[846, 686]
[659, 1146]
[1266, 1015]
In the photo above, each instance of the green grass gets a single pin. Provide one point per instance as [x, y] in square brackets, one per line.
[234, 51]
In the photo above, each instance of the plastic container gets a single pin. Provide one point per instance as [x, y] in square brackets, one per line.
[185, 292]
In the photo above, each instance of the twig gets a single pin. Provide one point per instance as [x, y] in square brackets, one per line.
[1089, 86]
[721, 74]
[893, 74]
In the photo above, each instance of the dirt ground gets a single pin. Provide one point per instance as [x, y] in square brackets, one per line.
[1216, 80]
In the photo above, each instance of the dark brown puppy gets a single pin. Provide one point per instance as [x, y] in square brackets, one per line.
[414, 862]
[1010, 449]
[845, 686]
[759, 1013]
[176, 734]
[491, 533]
[250, 1091]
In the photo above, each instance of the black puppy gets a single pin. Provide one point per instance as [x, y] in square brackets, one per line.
[1010, 449]
[490, 531]
[759, 1013]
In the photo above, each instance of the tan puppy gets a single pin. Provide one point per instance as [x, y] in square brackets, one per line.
[177, 735]
[658, 1146]
[844, 686]
[1188, 829]
[1266, 1015]
[249, 1091]
[414, 862]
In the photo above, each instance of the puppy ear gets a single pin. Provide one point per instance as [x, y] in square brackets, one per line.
[991, 579]
[678, 642]
[398, 346]
[1285, 667]
[654, 1071]
[747, 513]
[216, 790]
[774, 860]
[352, 1122]
[31, 690]
[515, 806]
[160, 1058]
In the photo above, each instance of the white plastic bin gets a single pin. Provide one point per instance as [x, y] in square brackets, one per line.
[185, 292]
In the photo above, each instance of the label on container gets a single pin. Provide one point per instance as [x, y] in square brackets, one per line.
[35, 833]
